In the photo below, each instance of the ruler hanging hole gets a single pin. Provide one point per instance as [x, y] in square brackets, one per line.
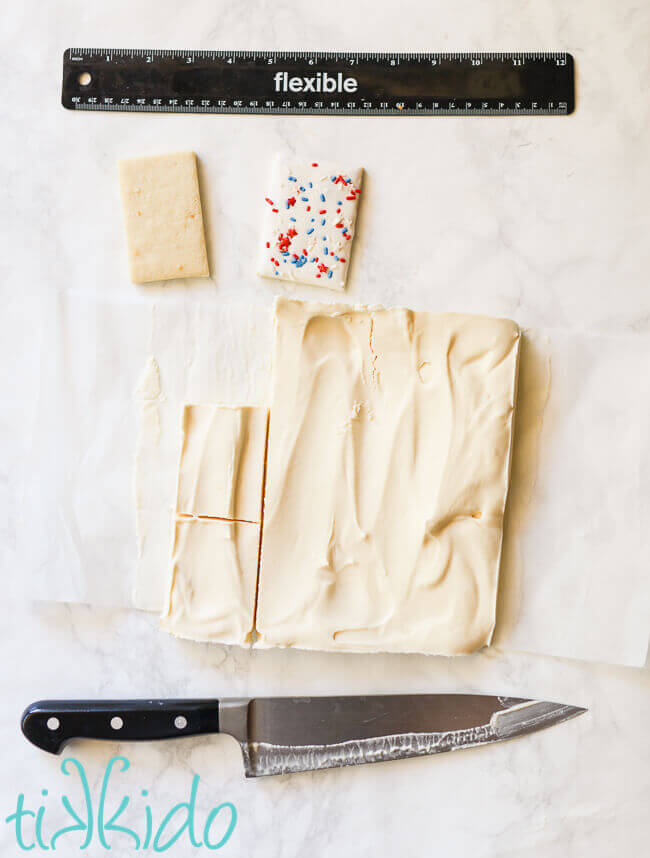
[84, 78]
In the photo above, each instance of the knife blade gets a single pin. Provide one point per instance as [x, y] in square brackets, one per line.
[282, 735]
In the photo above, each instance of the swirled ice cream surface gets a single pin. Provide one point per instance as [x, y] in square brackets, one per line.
[387, 476]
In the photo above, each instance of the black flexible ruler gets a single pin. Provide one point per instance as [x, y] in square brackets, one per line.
[441, 84]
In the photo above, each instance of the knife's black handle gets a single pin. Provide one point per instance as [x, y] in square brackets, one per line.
[51, 724]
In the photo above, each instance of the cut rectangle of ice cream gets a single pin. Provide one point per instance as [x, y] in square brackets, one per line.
[213, 578]
[310, 213]
[222, 462]
[214, 564]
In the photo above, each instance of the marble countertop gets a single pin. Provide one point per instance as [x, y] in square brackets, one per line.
[543, 220]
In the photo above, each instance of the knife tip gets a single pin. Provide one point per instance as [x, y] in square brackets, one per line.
[532, 716]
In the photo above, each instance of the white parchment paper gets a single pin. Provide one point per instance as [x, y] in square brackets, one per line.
[198, 355]
[576, 564]
[575, 574]
[79, 490]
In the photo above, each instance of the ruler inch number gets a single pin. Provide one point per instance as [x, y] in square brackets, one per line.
[309, 83]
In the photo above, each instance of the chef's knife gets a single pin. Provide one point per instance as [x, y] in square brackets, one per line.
[278, 735]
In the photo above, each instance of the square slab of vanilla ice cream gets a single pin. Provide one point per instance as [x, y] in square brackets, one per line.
[387, 476]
